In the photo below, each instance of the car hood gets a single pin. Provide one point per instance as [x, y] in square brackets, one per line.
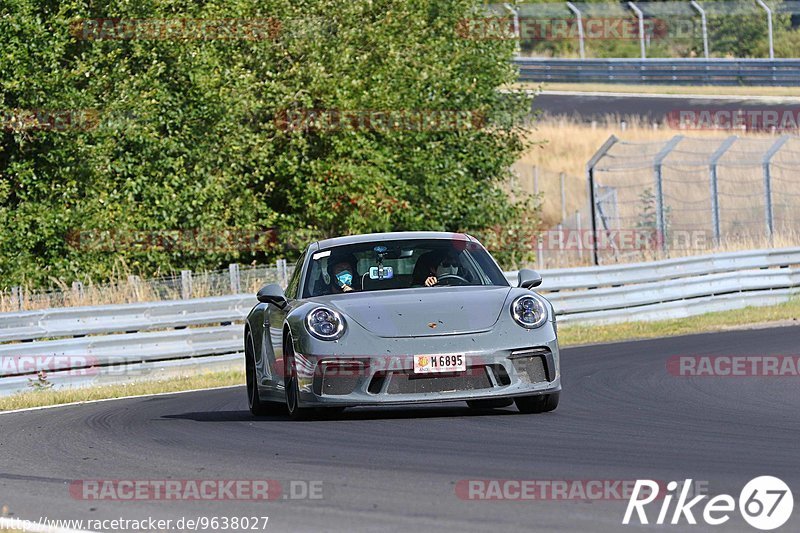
[423, 312]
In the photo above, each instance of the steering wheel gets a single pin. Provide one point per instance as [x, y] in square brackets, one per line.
[447, 277]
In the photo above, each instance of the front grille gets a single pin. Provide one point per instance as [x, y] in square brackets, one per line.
[405, 383]
[530, 364]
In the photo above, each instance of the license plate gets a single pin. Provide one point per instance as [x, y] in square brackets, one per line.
[427, 364]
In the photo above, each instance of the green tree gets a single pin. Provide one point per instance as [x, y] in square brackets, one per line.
[189, 133]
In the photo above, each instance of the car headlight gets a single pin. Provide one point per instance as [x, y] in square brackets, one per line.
[529, 311]
[325, 324]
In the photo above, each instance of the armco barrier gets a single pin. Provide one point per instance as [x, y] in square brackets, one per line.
[146, 340]
[689, 71]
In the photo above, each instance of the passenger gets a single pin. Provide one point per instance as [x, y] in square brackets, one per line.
[343, 274]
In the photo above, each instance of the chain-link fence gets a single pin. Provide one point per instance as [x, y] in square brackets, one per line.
[235, 279]
[689, 195]
[565, 211]
[682, 28]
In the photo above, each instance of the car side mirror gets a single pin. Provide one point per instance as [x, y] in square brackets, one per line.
[272, 294]
[528, 279]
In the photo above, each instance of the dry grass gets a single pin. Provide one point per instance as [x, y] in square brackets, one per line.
[124, 288]
[41, 398]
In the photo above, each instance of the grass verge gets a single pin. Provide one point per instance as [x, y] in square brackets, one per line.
[41, 398]
[781, 314]
[785, 313]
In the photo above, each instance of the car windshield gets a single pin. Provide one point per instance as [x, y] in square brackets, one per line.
[402, 264]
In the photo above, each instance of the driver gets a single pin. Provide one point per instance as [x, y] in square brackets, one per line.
[342, 271]
[433, 265]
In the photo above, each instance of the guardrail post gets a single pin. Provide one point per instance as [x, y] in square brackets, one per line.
[233, 272]
[769, 27]
[577, 13]
[661, 221]
[640, 15]
[715, 157]
[704, 23]
[765, 162]
[611, 141]
[186, 284]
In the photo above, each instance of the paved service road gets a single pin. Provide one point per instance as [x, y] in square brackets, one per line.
[651, 109]
[623, 416]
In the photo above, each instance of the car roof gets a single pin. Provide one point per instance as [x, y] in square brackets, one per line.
[390, 236]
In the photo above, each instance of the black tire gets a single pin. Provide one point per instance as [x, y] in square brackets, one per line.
[290, 385]
[257, 407]
[541, 403]
[494, 403]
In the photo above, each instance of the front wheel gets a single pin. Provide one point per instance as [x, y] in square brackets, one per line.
[291, 386]
[541, 403]
[254, 402]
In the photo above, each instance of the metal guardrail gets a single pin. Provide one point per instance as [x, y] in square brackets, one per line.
[119, 343]
[671, 288]
[779, 72]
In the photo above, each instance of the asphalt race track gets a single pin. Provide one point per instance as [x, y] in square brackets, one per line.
[622, 417]
[650, 109]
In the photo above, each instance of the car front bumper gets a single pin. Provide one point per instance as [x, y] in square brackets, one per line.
[519, 369]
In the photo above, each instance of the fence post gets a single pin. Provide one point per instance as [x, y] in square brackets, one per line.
[561, 178]
[186, 284]
[715, 157]
[661, 221]
[18, 296]
[769, 27]
[280, 267]
[77, 290]
[577, 13]
[765, 162]
[704, 24]
[591, 183]
[580, 234]
[540, 254]
[535, 180]
[233, 272]
[640, 16]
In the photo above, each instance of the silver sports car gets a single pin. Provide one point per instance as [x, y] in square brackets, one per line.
[400, 318]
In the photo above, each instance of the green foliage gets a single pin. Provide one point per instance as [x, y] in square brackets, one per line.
[187, 138]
